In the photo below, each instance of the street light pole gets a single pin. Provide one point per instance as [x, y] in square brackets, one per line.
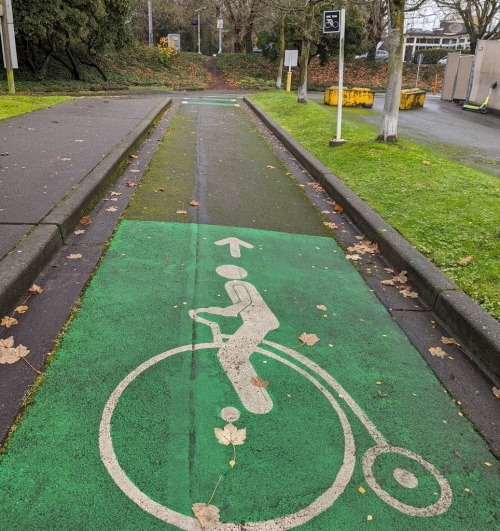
[150, 23]
[199, 40]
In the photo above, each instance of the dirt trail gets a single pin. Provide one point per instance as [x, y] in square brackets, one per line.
[216, 81]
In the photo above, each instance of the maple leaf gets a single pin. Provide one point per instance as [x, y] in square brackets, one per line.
[309, 339]
[194, 203]
[230, 435]
[10, 354]
[74, 256]
[449, 341]
[111, 209]
[21, 309]
[85, 220]
[259, 382]
[465, 261]
[364, 247]
[496, 392]
[389, 282]
[35, 289]
[409, 294]
[8, 321]
[438, 352]
[330, 225]
[206, 514]
[339, 209]
[401, 278]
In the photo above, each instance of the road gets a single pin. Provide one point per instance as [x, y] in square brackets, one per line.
[185, 390]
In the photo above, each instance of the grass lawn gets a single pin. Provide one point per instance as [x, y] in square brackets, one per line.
[15, 105]
[446, 209]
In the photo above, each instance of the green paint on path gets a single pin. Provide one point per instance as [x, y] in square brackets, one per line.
[137, 390]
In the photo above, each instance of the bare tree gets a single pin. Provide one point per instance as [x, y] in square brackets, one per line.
[480, 17]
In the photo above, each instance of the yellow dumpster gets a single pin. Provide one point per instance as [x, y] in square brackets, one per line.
[411, 99]
[355, 97]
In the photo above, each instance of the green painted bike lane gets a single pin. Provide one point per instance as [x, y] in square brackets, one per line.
[351, 432]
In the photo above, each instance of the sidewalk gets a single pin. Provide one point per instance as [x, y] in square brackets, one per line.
[58, 160]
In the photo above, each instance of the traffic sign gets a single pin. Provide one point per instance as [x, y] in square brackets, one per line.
[331, 21]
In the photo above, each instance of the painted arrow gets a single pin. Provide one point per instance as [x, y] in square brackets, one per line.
[234, 246]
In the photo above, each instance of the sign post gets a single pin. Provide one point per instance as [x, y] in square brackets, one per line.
[8, 42]
[291, 59]
[220, 26]
[334, 22]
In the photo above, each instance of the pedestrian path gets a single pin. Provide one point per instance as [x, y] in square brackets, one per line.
[230, 369]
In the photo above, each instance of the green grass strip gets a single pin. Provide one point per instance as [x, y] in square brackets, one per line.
[15, 105]
[446, 209]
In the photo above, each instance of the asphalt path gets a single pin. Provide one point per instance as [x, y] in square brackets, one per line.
[185, 392]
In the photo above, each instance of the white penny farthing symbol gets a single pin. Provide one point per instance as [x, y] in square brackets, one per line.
[233, 352]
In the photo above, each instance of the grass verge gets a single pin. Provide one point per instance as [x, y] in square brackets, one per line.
[15, 105]
[446, 209]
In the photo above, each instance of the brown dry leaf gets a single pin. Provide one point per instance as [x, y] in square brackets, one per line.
[353, 256]
[465, 261]
[85, 220]
[231, 435]
[315, 186]
[111, 209]
[206, 514]
[330, 225]
[133, 156]
[181, 212]
[322, 307]
[194, 203]
[74, 256]
[35, 289]
[364, 247]
[115, 194]
[496, 392]
[21, 309]
[401, 278]
[449, 341]
[10, 354]
[259, 382]
[79, 232]
[409, 294]
[389, 282]
[438, 352]
[130, 184]
[339, 209]
[4, 154]
[8, 321]
[309, 339]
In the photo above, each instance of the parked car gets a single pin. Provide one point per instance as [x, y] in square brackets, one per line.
[380, 55]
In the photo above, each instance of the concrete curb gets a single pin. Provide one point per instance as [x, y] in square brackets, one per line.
[31, 255]
[476, 330]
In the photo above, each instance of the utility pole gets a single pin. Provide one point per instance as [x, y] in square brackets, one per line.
[198, 11]
[9, 52]
[150, 23]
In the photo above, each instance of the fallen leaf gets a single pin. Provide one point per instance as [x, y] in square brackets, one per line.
[35, 289]
[382, 395]
[21, 309]
[487, 464]
[369, 518]
[181, 212]
[133, 156]
[206, 514]
[468, 491]
[130, 184]
[401, 278]
[135, 171]
[74, 256]
[496, 392]
[309, 339]
[465, 261]
[361, 490]
[330, 225]
[321, 307]
[438, 352]
[8, 321]
[353, 256]
[364, 247]
[111, 209]
[194, 203]
[85, 220]
[409, 294]
[259, 382]
[270, 167]
[115, 193]
[4, 154]
[425, 162]
[339, 209]
[10, 354]
[388, 282]
[63, 158]
[449, 341]
[231, 435]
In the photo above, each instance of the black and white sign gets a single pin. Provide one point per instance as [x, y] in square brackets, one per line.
[331, 21]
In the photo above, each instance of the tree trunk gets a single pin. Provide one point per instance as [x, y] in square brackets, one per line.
[388, 131]
[281, 55]
[304, 53]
